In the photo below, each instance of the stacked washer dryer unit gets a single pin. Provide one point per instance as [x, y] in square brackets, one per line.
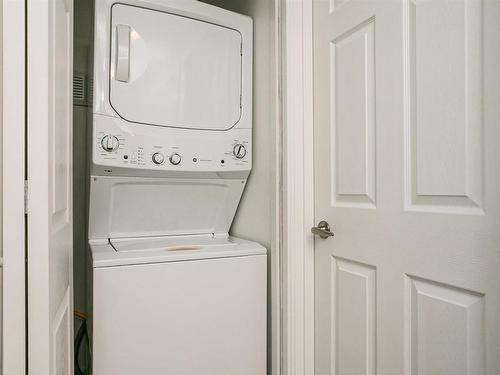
[172, 292]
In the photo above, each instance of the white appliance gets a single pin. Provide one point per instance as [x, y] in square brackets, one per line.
[172, 292]
[172, 89]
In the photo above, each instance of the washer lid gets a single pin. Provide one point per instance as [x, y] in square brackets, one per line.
[124, 207]
[172, 70]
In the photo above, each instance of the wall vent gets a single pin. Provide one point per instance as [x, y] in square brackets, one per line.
[90, 91]
[80, 90]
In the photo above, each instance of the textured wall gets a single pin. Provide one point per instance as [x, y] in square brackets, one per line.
[255, 217]
[83, 32]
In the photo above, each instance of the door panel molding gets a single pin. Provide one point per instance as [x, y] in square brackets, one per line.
[353, 288]
[352, 90]
[440, 178]
[457, 314]
[61, 336]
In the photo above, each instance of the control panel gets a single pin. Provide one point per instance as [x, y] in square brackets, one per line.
[117, 143]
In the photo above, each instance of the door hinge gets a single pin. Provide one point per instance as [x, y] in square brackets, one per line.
[25, 196]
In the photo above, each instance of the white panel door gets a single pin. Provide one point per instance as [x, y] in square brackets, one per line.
[49, 173]
[407, 148]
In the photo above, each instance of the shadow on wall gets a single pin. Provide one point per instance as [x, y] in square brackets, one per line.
[82, 102]
[255, 217]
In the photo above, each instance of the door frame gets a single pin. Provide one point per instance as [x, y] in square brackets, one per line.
[43, 323]
[298, 188]
[13, 122]
[297, 200]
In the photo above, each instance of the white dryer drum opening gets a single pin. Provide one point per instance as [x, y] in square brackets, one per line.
[174, 71]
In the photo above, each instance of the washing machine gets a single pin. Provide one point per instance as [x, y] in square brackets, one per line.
[171, 150]
[179, 305]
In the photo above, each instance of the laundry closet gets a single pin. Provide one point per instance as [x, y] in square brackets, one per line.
[176, 170]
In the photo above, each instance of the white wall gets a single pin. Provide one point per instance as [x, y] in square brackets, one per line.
[82, 51]
[256, 216]
[83, 31]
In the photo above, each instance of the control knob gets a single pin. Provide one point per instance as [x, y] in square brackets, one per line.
[110, 143]
[158, 158]
[175, 158]
[239, 151]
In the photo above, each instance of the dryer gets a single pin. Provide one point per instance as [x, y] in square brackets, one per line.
[171, 150]
[172, 89]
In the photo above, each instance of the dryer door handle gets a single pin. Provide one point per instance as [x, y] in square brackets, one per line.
[122, 67]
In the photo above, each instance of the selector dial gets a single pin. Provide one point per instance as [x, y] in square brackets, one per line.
[239, 151]
[175, 159]
[158, 158]
[110, 143]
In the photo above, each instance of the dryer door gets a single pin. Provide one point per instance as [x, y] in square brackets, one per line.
[175, 71]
